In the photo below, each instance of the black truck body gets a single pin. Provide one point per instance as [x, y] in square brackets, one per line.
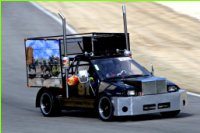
[101, 76]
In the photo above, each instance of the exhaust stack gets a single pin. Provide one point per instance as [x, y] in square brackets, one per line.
[65, 58]
[64, 32]
[125, 26]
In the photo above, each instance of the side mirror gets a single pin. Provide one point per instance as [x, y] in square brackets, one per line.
[83, 76]
[152, 70]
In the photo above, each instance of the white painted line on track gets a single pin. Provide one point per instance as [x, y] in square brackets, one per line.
[70, 29]
[193, 94]
[74, 32]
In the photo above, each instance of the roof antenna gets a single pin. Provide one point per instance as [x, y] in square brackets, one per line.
[125, 26]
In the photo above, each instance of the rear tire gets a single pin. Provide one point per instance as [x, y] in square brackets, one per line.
[170, 114]
[49, 105]
[105, 108]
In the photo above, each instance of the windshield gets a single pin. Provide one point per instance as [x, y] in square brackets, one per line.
[119, 67]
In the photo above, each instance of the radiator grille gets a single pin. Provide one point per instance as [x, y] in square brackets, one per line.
[154, 87]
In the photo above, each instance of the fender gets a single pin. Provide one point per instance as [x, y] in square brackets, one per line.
[55, 92]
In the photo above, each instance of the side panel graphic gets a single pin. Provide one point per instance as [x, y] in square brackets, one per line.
[43, 63]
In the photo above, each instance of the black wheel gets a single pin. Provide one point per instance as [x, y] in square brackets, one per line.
[48, 104]
[170, 114]
[105, 108]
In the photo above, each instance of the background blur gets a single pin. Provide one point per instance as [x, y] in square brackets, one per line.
[165, 37]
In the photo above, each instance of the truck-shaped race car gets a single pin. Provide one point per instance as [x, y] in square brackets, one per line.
[96, 71]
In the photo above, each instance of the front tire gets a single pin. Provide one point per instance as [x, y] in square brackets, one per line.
[48, 104]
[170, 114]
[105, 108]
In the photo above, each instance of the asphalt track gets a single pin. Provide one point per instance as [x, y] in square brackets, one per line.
[21, 20]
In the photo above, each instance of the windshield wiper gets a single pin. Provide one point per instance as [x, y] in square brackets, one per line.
[136, 75]
[113, 78]
[129, 76]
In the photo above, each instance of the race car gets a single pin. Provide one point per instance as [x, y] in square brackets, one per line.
[101, 75]
[96, 71]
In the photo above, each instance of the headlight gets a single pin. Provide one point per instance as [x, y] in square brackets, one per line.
[172, 88]
[131, 93]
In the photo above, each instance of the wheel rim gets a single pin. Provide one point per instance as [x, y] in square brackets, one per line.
[105, 108]
[46, 103]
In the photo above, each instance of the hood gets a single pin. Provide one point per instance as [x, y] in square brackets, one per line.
[145, 84]
[135, 81]
[148, 85]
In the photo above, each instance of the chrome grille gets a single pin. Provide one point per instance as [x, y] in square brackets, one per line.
[161, 86]
[154, 87]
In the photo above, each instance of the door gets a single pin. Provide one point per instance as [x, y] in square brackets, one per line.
[78, 88]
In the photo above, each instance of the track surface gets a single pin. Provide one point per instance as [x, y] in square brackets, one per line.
[19, 114]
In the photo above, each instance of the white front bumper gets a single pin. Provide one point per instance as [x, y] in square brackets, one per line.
[126, 106]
